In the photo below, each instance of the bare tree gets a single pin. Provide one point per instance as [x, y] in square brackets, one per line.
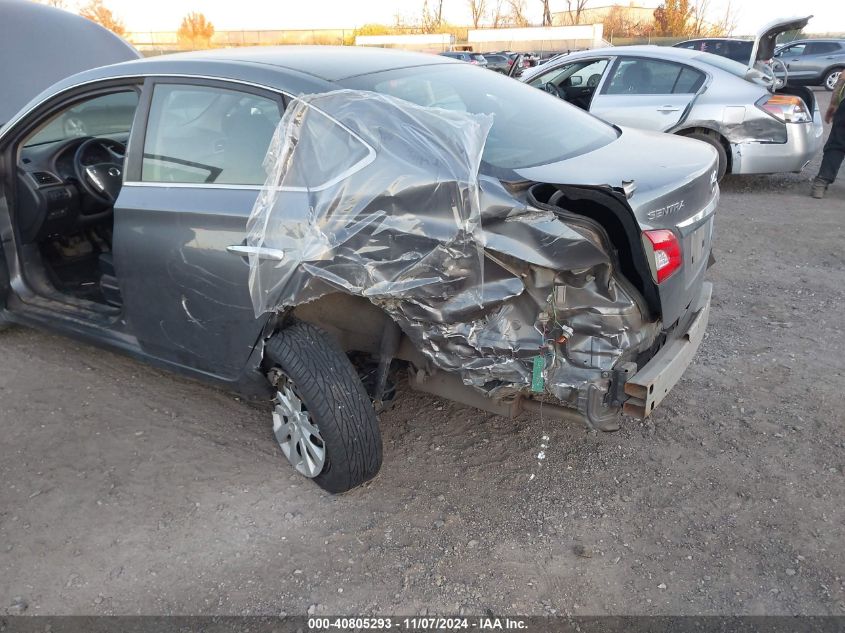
[517, 13]
[97, 12]
[724, 25]
[547, 14]
[574, 8]
[477, 9]
[622, 23]
[697, 23]
[431, 19]
[497, 16]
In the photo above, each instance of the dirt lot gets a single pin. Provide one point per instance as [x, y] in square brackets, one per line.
[127, 490]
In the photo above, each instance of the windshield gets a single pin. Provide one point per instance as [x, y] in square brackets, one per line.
[530, 126]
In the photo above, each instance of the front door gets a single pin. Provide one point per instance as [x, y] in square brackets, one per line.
[575, 82]
[193, 178]
[647, 93]
[797, 60]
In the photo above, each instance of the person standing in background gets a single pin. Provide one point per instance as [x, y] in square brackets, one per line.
[834, 149]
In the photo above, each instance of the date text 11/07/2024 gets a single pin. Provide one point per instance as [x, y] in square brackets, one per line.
[417, 624]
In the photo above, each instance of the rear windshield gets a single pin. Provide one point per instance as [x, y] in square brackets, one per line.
[530, 126]
[729, 65]
[478, 57]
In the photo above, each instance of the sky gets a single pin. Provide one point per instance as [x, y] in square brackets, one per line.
[165, 15]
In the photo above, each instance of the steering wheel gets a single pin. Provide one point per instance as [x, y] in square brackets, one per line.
[553, 90]
[593, 80]
[100, 179]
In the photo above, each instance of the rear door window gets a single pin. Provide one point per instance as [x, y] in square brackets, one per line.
[652, 77]
[821, 48]
[326, 153]
[208, 135]
[688, 82]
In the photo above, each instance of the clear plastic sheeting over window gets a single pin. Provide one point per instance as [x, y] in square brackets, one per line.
[380, 198]
[370, 195]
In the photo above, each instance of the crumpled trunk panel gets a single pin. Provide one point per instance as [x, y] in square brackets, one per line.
[380, 198]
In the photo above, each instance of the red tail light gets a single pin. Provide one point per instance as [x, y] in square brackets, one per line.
[665, 251]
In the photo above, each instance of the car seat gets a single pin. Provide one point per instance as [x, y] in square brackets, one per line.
[636, 78]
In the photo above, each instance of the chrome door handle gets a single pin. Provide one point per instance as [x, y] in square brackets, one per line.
[668, 108]
[243, 250]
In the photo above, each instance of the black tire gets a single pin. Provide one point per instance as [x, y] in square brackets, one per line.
[712, 139]
[337, 401]
[826, 82]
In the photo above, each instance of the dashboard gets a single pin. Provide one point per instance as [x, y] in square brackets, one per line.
[50, 201]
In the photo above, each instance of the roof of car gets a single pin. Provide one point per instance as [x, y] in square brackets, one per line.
[681, 55]
[838, 40]
[649, 50]
[331, 63]
[715, 39]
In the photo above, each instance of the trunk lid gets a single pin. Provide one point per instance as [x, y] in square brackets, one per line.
[766, 38]
[40, 45]
[672, 186]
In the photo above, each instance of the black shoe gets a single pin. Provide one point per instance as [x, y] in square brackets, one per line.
[818, 189]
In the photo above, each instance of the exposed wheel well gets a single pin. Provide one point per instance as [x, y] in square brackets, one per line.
[714, 134]
[356, 324]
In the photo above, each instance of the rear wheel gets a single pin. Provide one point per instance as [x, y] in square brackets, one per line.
[322, 416]
[713, 140]
[831, 78]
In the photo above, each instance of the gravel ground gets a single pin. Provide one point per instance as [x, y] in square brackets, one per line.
[124, 489]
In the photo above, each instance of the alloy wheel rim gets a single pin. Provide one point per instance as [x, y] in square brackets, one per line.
[832, 79]
[297, 435]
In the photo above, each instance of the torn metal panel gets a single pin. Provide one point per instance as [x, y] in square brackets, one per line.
[379, 198]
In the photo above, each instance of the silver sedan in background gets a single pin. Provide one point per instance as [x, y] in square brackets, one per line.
[736, 108]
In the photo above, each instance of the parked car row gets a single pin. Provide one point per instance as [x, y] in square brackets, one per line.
[501, 61]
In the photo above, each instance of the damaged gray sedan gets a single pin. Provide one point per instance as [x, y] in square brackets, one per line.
[756, 125]
[310, 226]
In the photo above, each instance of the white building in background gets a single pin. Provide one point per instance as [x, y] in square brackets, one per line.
[538, 38]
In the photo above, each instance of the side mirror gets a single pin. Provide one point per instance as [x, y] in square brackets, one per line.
[576, 80]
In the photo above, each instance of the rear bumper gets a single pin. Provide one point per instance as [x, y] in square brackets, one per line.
[647, 388]
[803, 141]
